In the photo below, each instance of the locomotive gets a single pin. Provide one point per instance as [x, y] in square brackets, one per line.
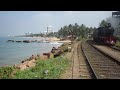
[104, 35]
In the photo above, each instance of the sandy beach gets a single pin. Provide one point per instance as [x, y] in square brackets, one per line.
[54, 39]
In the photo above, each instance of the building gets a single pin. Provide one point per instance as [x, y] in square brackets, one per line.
[49, 29]
[90, 35]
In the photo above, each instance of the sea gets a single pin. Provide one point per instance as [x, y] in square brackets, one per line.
[14, 52]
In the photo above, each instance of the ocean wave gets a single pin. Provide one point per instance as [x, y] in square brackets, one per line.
[55, 43]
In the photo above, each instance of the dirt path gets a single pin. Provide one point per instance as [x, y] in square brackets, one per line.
[78, 69]
[73, 71]
[68, 73]
[75, 66]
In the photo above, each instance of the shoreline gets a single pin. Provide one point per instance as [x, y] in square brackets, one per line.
[32, 62]
[32, 58]
[41, 40]
[51, 40]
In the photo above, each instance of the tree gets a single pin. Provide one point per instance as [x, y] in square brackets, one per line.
[49, 34]
[60, 32]
[76, 29]
[65, 31]
[82, 30]
[103, 23]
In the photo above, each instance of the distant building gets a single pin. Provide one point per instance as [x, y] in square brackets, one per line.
[49, 29]
[90, 35]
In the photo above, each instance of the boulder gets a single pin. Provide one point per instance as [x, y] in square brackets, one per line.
[51, 55]
[52, 51]
[18, 41]
[32, 57]
[43, 57]
[21, 66]
[25, 64]
[69, 49]
[30, 64]
[22, 61]
[25, 60]
[11, 40]
[33, 60]
[47, 54]
[26, 41]
[38, 56]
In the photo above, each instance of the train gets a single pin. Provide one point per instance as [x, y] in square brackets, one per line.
[104, 35]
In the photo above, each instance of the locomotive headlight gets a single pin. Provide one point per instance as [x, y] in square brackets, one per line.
[112, 42]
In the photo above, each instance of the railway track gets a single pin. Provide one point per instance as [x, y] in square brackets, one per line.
[102, 66]
[85, 70]
[115, 48]
[93, 74]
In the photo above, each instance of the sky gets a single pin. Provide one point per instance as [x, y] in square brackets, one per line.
[21, 22]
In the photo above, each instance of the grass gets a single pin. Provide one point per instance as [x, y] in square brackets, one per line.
[118, 38]
[5, 72]
[117, 43]
[44, 69]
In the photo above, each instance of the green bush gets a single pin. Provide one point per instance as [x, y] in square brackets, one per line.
[80, 38]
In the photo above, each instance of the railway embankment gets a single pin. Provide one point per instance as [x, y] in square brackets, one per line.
[102, 65]
[109, 51]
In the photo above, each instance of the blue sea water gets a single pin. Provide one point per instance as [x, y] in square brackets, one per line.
[13, 52]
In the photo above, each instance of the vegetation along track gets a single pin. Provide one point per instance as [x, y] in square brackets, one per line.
[102, 65]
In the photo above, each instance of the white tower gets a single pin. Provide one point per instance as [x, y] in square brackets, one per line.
[49, 29]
